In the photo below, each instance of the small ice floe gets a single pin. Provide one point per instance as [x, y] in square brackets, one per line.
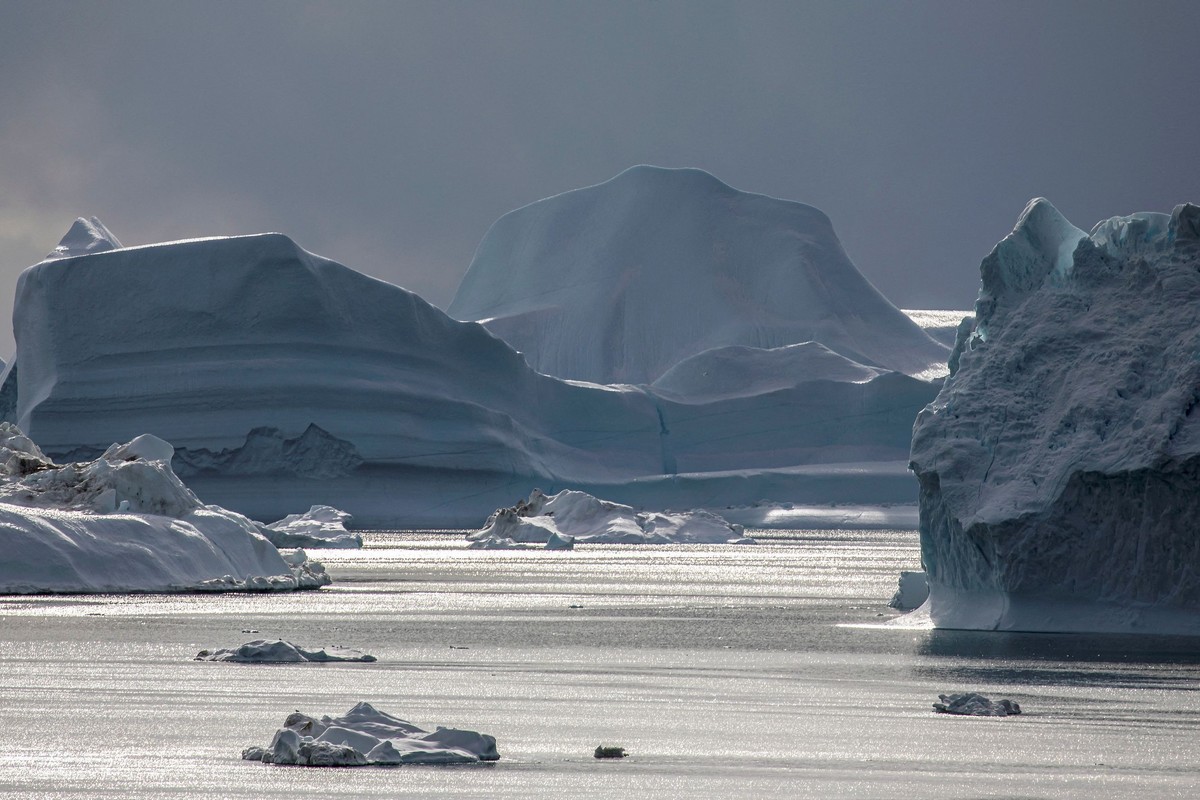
[319, 527]
[973, 704]
[912, 591]
[366, 736]
[265, 651]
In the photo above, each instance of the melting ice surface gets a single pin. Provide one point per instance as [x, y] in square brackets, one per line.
[723, 670]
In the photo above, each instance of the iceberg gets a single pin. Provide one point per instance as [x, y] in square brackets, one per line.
[265, 651]
[973, 704]
[577, 517]
[285, 380]
[125, 523]
[320, 526]
[365, 736]
[619, 282]
[1059, 466]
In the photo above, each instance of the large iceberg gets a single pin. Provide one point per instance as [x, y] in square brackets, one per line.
[619, 282]
[286, 380]
[124, 522]
[1060, 464]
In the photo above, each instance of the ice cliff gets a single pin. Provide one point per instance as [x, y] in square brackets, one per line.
[619, 282]
[1059, 465]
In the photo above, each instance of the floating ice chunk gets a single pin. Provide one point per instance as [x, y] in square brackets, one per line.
[972, 704]
[320, 526]
[265, 651]
[367, 736]
[585, 519]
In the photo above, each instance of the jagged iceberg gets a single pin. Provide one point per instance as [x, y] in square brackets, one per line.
[124, 522]
[285, 380]
[1059, 465]
[365, 736]
[571, 516]
[619, 282]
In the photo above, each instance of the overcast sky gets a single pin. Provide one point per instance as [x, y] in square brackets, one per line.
[389, 136]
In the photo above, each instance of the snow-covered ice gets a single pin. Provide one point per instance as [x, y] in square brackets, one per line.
[85, 236]
[277, 651]
[365, 736]
[124, 522]
[1060, 464]
[973, 704]
[619, 282]
[571, 517]
[320, 526]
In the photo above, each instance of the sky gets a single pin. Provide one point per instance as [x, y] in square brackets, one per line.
[389, 136]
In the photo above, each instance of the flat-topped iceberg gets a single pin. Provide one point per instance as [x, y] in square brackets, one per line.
[320, 526]
[570, 516]
[365, 736]
[124, 522]
[1060, 463]
[277, 651]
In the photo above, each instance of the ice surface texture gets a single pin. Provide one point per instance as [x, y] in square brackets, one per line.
[619, 282]
[265, 651]
[1060, 464]
[365, 736]
[125, 522]
[572, 516]
[285, 379]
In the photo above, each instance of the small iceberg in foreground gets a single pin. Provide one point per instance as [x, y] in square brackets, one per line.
[569, 517]
[365, 736]
[126, 523]
[319, 527]
[973, 704]
[266, 651]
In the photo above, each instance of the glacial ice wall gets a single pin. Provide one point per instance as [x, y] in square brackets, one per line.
[1059, 466]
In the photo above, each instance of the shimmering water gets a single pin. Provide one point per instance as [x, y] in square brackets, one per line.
[726, 671]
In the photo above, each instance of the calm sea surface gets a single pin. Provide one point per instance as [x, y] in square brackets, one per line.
[726, 671]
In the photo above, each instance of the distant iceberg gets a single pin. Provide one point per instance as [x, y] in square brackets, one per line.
[320, 526]
[570, 517]
[266, 651]
[1060, 464]
[125, 523]
[619, 282]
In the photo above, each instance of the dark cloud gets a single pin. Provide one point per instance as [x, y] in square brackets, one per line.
[390, 135]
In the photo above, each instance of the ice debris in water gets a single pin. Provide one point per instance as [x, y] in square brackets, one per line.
[265, 651]
[366, 736]
[973, 704]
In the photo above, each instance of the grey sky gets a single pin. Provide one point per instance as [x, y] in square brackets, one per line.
[388, 136]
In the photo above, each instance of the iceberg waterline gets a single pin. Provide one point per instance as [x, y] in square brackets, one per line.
[307, 382]
[1059, 466]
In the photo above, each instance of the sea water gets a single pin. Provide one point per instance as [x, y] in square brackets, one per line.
[726, 671]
